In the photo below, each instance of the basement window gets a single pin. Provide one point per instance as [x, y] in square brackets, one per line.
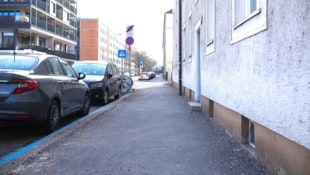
[248, 132]
[251, 134]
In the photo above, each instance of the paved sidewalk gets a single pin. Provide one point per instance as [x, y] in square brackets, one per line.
[151, 132]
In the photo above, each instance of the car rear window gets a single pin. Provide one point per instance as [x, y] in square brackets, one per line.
[18, 63]
[89, 68]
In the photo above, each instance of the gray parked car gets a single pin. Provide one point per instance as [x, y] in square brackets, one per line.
[103, 79]
[41, 89]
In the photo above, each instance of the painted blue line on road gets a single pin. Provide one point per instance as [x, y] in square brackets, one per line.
[20, 152]
[33, 145]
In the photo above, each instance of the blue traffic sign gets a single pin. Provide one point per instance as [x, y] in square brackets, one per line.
[121, 54]
[129, 40]
[141, 62]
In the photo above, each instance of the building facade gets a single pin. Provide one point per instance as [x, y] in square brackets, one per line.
[45, 25]
[247, 64]
[99, 42]
[167, 45]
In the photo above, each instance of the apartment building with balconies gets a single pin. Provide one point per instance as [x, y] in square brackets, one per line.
[49, 26]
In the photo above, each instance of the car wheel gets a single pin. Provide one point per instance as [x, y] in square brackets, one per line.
[86, 106]
[105, 96]
[53, 117]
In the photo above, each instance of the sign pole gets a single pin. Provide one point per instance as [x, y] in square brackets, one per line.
[129, 64]
[129, 42]
[122, 65]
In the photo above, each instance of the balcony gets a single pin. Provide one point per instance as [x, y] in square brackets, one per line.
[51, 28]
[58, 53]
[13, 3]
[42, 5]
[73, 9]
[14, 21]
[55, 52]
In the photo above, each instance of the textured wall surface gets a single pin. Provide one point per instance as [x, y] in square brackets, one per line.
[265, 77]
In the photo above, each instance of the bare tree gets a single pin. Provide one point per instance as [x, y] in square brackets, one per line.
[149, 63]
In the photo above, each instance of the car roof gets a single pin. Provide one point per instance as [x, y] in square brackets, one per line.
[26, 53]
[91, 62]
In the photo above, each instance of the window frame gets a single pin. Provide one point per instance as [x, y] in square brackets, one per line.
[210, 27]
[250, 21]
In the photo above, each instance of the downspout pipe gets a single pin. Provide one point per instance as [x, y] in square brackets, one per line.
[180, 47]
[165, 44]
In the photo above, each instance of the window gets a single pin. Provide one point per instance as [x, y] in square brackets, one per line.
[243, 9]
[251, 134]
[247, 132]
[57, 69]
[42, 42]
[210, 25]
[8, 40]
[109, 70]
[18, 63]
[248, 18]
[53, 8]
[69, 71]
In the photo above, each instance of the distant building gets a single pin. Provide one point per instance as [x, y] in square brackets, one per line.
[47, 26]
[98, 42]
[248, 64]
[167, 45]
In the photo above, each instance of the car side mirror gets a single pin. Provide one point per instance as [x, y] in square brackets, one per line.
[110, 75]
[81, 76]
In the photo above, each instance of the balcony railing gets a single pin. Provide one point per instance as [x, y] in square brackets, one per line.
[41, 4]
[41, 23]
[51, 28]
[13, 2]
[58, 53]
[24, 21]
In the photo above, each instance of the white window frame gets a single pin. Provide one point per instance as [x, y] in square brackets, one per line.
[210, 27]
[53, 8]
[66, 16]
[246, 20]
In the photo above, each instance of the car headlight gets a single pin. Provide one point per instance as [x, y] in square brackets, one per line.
[96, 85]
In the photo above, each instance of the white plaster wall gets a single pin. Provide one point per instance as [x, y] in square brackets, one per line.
[265, 77]
[175, 44]
[192, 14]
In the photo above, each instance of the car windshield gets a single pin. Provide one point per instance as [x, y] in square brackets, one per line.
[90, 68]
[18, 63]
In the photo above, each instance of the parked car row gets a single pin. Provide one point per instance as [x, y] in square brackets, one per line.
[147, 75]
[42, 89]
